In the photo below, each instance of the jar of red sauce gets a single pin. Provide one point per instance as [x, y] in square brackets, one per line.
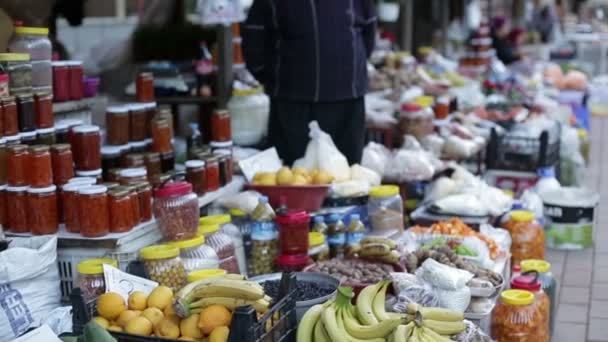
[16, 209]
[153, 167]
[161, 136]
[293, 232]
[3, 161]
[442, 107]
[144, 87]
[121, 215]
[133, 175]
[220, 126]
[69, 205]
[150, 114]
[212, 170]
[196, 175]
[144, 194]
[40, 169]
[86, 147]
[138, 121]
[42, 210]
[226, 166]
[62, 163]
[43, 104]
[93, 211]
[17, 161]
[117, 125]
[97, 175]
[61, 81]
[75, 76]
[134, 202]
[10, 121]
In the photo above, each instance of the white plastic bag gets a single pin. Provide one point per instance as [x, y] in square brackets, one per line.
[322, 153]
[375, 157]
[360, 173]
[443, 276]
[351, 188]
[29, 284]
[457, 300]
[246, 201]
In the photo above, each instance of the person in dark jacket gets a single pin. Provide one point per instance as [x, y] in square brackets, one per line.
[311, 57]
[500, 40]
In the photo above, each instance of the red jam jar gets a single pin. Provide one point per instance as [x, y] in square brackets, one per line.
[196, 175]
[40, 169]
[161, 136]
[293, 232]
[137, 122]
[144, 194]
[117, 125]
[144, 87]
[75, 77]
[61, 81]
[69, 206]
[62, 163]
[17, 160]
[134, 203]
[86, 147]
[43, 104]
[220, 126]
[10, 119]
[212, 171]
[133, 175]
[121, 215]
[42, 215]
[292, 263]
[93, 211]
[16, 209]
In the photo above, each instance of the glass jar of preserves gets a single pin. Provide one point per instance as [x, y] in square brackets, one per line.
[144, 195]
[176, 210]
[137, 121]
[137, 146]
[133, 175]
[28, 138]
[121, 214]
[164, 266]
[75, 76]
[548, 282]
[292, 263]
[293, 232]
[195, 175]
[16, 209]
[220, 126]
[10, 119]
[26, 112]
[17, 161]
[90, 277]
[111, 157]
[19, 70]
[86, 147]
[319, 249]
[226, 165]
[153, 167]
[161, 135]
[61, 81]
[385, 209]
[3, 161]
[221, 145]
[45, 136]
[93, 174]
[150, 109]
[264, 247]
[531, 283]
[167, 161]
[134, 199]
[196, 255]
[528, 237]
[69, 206]
[3, 219]
[212, 170]
[134, 160]
[42, 215]
[117, 125]
[93, 212]
[43, 104]
[222, 245]
[144, 87]
[40, 170]
[516, 318]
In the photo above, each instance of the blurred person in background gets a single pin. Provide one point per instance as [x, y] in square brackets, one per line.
[505, 50]
[544, 20]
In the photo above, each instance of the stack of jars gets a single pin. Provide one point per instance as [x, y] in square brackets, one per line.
[293, 240]
[68, 78]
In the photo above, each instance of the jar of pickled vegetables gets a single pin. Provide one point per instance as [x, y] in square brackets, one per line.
[93, 211]
[40, 170]
[42, 217]
[90, 277]
[531, 283]
[121, 214]
[516, 318]
[16, 209]
[223, 246]
[319, 249]
[164, 266]
[548, 282]
[528, 237]
[264, 247]
[176, 210]
[196, 255]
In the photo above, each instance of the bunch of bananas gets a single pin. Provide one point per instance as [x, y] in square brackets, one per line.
[339, 321]
[377, 249]
[230, 291]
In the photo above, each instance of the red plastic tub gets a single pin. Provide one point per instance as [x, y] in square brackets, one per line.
[306, 197]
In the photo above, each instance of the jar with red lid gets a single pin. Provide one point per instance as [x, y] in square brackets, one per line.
[176, 210]
[3, 205]
[144, 87]
[75, 77]
[40, 169]
[137, 122]
[161, 136]
[86, 147]
[28, 138]
[43, 103]
[17, 161]
[111, 157]
[121, 214]
[220, 126]
[153, 167]
[61, 81]
[10, 118]
[195, 175]
[212, 170]
[16, 209]
[117, 125]
[530, 282]
[69, 206]
[26, 112]
[45, 136]
[133, 175]
[292, 263]
[150, 114]
[42, 215]
[97, 175]
[93, 211]
[3, 161]
[144, 195]
[167, 161]
[293, 232]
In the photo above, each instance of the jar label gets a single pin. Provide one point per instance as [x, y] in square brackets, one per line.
[264, 231]
[337, 239]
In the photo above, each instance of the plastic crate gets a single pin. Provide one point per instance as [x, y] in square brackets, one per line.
[279, 324]
[517, 153]
[515, 181]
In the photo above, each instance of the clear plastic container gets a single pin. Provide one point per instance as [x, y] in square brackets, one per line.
[532, 283]
[548, 282]
[264, 247]
[164, 266]
[355, 230]
[228, 228]
[33, 41]
[528, 237]
[19, 70]
[90, 277]
[196, 255]
[176, 210]
[42, 76]
[319, 249]
[336, 236]
[223, 246]
[385, 209]
[293, 232]
[516, 318]
[249, 110]
[241, 221]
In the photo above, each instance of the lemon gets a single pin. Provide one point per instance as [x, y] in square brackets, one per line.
[138, 301]
[139, 326]
[160, 297]
[110, 305]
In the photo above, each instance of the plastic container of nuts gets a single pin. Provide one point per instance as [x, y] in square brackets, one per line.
[164, 266]
[223, 246]
[90, 277]
[176, 210]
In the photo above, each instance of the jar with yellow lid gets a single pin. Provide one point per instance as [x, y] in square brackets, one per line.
[549, 284]
[318, 248]
[164, 266]
[528, 237]
[196, 255]
[385, 209]
[222, 245]
[205, 274]
[516, 318]
[90, 277]
[19, 70]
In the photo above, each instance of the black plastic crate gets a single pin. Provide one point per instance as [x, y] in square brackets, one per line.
[517, 153]
[279, 324]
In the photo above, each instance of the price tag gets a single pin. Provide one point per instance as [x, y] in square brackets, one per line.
[265, 161]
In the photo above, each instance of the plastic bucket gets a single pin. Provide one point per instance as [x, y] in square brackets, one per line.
[570, 217]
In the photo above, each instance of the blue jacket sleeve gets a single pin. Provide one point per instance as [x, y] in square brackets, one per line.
[259, 38]
[369, 30]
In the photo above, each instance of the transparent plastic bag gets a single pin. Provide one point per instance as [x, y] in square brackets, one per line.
[418, 294]
[457, 300]
[442, 276]
[472, 333]
[375, 157]
[402, 281]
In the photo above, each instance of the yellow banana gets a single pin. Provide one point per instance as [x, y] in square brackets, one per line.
[378, 304]
[392, 257]
[431, 336]
[340, 321]
[376, 239]
[230, 288]
[234, 276]
[307, 323]
[230, 303]
[365, 312]
[366, 332]
[331, 325]
[401, 334]
[441, 314]
[320, 333]
[412, 308]
[444, 328]
[374, 250]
